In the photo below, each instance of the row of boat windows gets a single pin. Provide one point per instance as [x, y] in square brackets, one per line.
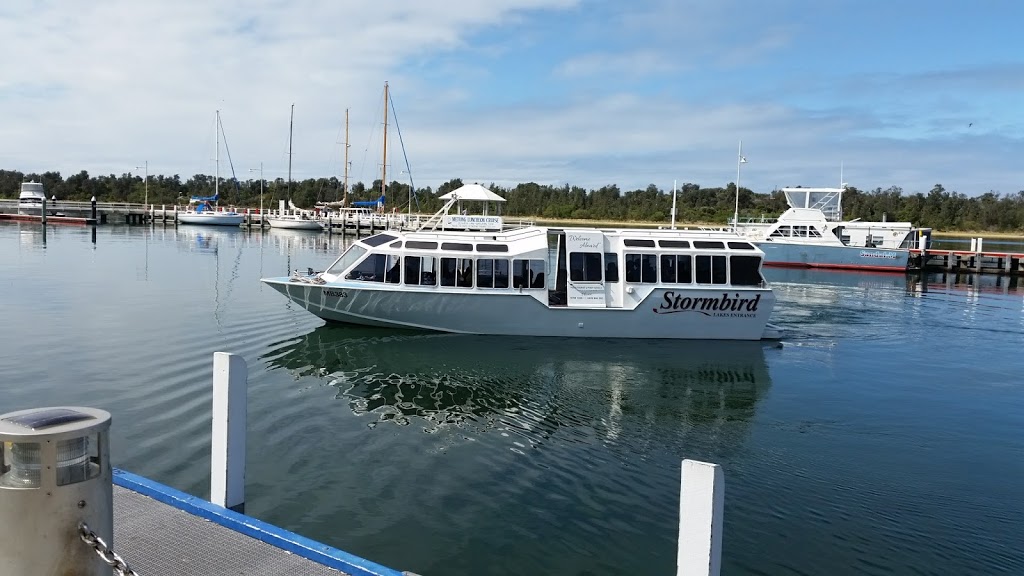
[459, 272]
[698, 244]
[488, 247]
[583, 267]
[736, 269]
[796, 232]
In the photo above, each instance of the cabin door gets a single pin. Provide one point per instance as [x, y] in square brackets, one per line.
[585, 251]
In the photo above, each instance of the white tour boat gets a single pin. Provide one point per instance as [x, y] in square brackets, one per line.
[539, 281]
[813, 234]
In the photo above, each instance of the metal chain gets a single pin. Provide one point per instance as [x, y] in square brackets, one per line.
[113, 559]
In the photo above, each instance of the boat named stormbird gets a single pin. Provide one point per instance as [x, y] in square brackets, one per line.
[538, 281]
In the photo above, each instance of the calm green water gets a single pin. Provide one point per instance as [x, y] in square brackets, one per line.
[885, 436]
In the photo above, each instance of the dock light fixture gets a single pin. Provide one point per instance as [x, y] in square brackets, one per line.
[55, 474]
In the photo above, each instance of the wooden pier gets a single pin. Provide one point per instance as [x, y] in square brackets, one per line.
[973, 261]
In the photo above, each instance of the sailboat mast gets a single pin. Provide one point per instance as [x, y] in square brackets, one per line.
[291, 124]
[344, 199]
[216, 160]
[384, 168]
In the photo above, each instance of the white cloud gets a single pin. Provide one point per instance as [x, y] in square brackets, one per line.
[105, 85]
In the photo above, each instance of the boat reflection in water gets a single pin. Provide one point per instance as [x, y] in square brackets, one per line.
[530, 384]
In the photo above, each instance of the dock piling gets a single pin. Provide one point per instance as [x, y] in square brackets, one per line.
[227, 472]
[701, 513]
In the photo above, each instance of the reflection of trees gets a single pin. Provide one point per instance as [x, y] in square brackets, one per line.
[529, 386]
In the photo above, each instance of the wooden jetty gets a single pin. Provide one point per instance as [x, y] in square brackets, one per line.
[974, 260]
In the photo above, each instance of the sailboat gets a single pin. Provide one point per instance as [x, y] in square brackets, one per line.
[203, 209]
[298, 219]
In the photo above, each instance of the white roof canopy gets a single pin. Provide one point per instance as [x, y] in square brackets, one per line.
[473, 192]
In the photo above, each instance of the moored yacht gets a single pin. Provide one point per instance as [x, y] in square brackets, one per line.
[539, 281]
[813, 234]
[31, 197]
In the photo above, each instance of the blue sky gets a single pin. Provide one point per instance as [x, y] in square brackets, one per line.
[589, 92]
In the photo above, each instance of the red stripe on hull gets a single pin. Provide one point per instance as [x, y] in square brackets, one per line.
[49, 219]
[836, 266]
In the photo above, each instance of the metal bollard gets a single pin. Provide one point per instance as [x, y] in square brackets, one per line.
[55, 476]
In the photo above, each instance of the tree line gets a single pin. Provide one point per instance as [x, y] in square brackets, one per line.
[939, 208]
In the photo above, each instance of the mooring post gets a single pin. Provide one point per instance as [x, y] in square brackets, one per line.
[701, 513]
[44, 211]
[227, 472]
[93, 208]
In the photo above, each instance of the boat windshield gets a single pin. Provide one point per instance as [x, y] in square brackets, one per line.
[350, 257]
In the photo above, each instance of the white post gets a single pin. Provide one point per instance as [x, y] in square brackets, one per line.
[980, 240]
[674, 182]
[701, 507]
[740, 160]
[227, 465]
[974, 244]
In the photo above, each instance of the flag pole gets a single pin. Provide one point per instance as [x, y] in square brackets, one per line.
[736, 213]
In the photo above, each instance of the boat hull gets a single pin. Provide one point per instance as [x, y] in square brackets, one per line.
[781, 254]
[294, 224]
[218, 219]
[665, 313]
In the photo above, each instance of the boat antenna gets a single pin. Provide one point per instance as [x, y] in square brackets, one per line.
[291, 124]
[344, 199]
[216, 160]
[384, 166]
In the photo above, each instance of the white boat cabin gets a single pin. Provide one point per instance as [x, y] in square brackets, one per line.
[584, 268]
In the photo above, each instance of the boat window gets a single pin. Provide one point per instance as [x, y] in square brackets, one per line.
[412, 269]
[456, 246]
[420, 245]
[491, 248]
[741, 246]
[674, 243]
[632, 268]
[814, 233]
[638, 243]
[782, 232]
[396, 244]
[465, 279]
[684, 269]
[350, 257]
[676, 269]
[745, 270]
[642, 268]
[378, 239]
[708, 245]
[448, 268]
[500, 273]
[611, 267]
[369, 270]
[668, 268]
[420, 270]
[394, 270]
[649, 268]
[485, 273]
[585, 266]
[528, 273]
[711, 269]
